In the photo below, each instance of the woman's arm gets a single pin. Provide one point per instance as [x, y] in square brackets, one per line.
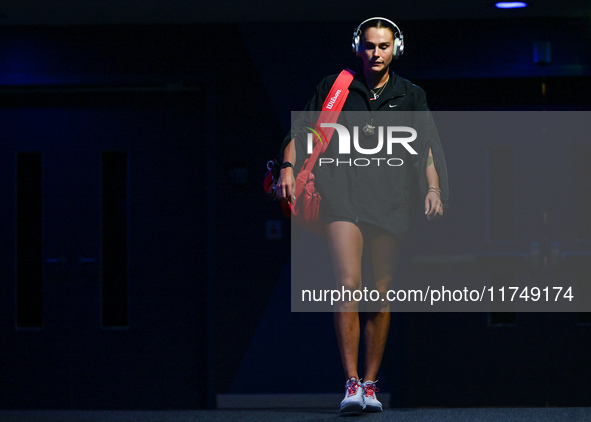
[433, 204]
[285, 187]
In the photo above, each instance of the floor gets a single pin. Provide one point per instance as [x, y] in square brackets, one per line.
[570, 414]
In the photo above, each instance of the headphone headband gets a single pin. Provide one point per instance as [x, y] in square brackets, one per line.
[398, 39]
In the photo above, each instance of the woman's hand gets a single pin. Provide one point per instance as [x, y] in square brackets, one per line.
[285, 187]
[433, 206]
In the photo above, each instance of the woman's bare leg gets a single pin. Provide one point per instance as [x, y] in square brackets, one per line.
[384, 254]
[345, 243]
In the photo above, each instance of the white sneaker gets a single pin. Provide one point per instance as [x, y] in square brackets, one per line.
[372, 404]
[353, 401]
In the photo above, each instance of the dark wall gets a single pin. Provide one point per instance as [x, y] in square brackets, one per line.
[190, 92]
[460, 63]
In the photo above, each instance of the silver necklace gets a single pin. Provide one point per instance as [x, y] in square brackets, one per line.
[369, 129]
[378, 92]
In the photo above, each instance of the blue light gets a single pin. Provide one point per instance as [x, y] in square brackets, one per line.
[510, 4]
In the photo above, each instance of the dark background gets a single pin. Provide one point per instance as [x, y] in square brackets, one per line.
[196, 105]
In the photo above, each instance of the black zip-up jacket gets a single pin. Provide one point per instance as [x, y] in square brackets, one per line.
[363, 191]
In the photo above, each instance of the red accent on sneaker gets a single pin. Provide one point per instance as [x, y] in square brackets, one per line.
[352, 386]
[370, 390]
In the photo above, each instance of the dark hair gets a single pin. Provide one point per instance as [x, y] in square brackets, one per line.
[379, 23]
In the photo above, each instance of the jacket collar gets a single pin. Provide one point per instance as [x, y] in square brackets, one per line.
[398, 85]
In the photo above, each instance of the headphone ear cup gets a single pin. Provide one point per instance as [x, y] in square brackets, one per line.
[398, 47]
[356, 40]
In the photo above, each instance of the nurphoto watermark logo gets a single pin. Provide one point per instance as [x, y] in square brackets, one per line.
[371, 185]
[386, 139]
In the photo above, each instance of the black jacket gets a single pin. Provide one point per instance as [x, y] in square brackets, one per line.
[381, 195]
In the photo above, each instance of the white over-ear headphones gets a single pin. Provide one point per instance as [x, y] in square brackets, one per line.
[398, 38]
